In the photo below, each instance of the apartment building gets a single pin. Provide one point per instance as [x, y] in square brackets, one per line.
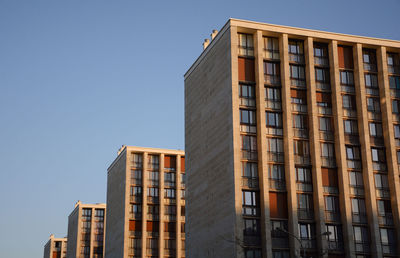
[86, 231]
[55, 248]
[292, 139]
[146, 203]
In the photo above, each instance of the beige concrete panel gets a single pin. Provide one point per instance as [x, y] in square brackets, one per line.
[318, 191]
[370, 197]
[340, 152]
[262, 143]
[73, 234]
[388, 133]
[161, 209]
[145, 177]
[178, 207]
[290, 174]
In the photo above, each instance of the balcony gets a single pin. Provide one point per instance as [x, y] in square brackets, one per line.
[275, 156]
[350, 113]
[335, 246]
[271, 54]
[393, 69]
[153, 216]
[277, 185]
[362, 247]
[352, 138]
[304, 187]
[247, 102]
[382, 192]
[397, 142]
[152, 251]
[135, 251]
[171, 184]
[280, 242]
[249, 155]
[153, 199]
[170, 217]
[300, 133]
[302, 108]
[329, 162]
[348, 89]
[135, 215]
[326, 136]
[302, 160]
[388, 249]
[308, 243]
[386, 219]
[169, 201]
[374, 115]
[296, 58]
[153, 182]
[274, 131]
[370, 67]
[152, 233]
[274, 80]
[332, 216]
[360, 218]
[321, 61]
[250, 182]
[136, 181]
[376, 141]
[324, 110]
[354, 164]
[273, 104]
[135, 233]
[248, 128]
[395, 93]
[298, 83]
[251, 240]
[137, 165]
[396, 117]
[357, 190]
[170, 252]
[305, 214]
[170, 234]
[379, 166]
[372, 91]
[331, 190]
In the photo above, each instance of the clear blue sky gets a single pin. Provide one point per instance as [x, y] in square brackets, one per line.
[80, 78]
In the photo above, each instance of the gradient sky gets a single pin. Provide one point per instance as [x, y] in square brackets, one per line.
[80, 78]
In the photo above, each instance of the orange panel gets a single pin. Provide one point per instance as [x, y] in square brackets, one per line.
[329, 177]
[169, 161]
[135, 225]
[246, 69]
[345, 57]
[182, 164]
[278, 205]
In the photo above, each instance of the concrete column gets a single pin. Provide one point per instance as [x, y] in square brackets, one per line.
[370, 197]
[79, 233]
[262, 143]
[92, 228]
[145, 178]
[290, 174]
[340, 152]
[178, 206]
[161, 237]
[318, 191]
[390, 144]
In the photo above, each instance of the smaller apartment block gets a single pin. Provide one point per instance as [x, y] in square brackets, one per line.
[55, 248]
[86, 231]
[146, 203]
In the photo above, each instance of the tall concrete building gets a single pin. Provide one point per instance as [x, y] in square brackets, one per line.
[146, 203]
[293, 144]
[55, 248]
[86, 228]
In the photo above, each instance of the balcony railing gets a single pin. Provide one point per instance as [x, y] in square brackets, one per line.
[379, 166]
[249, 155]
[153, 216]
[329, 162]
[135, 251]
[393, 69]
[395, 93]
[136, 164]
[308, 243]
[152, 251]
[274, 80]
[348, 89]
[136, 181]
[297, 58]
[396, 117]
[250, 182]
[152, 234]
[374, 115]
[372, 91]
[352, 138]
[300, 133]
[152, 199]
[382, 193]
[135, 215]
[247, 102]
[386, 220]
[324, 110]
[360, 218]
[354, 164]
[170, 252]
[335, 246]
[169, 184]
[349, 112]
[304, 214]
[377, 141]
[304, 187]
[302, 160]
[169, 200]
[170, 217]
[369, 67]
[271, 54]
[362, 247]
[389, 249]
[275, 157]
[332, 216]
[299, 108]
[324, 86]
[273, 104]
[248, 128]
[357, 190]
[397, 142]
[153, 182]
[326, 135]
[298, 83]
[274, 131]
[251, 240]
[277, 184]
[135, 233]
[331, 190]
[280, 242]
[321, 61]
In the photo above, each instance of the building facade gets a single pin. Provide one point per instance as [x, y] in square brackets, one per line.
[292, 138]
[86, 231]
[146, 203]
[55, 248]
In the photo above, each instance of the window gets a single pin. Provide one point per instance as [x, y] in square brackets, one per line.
[296, 47]
[247, 117]
[154, 162]
[137, 160]
[251, 227]
[249, 143]
[271, 69]
[371, 80]
[350, 127]
[87, 213]
[183, 194]
[136, 190]
[303, 175]
[246, 47]
[305, 202]
[373, 105]
[395, 106]
[320, 54]
[306, 231]
[152, 192]
[369, 60]
[136, 208]
[252, 253]
[358, 206]
[375, 129]
[384, 207]
[275, 145]
[153, 209]
[321, 75]
[273, 119]
[301, 148]
[360, 234]
[335, 233]
[349, 102]
[331, 203]
[135, 243]
[272, 94]
[276, 172]
[169, 178]
[170, 209]
[249, 169]
[394, 82]
[276, 226]
[250, 203]
[346, 78]
[356, 179]
[169, 193]
[397, 131]
[327, 150]
[280, 254]
[387, 236]
[271, 47]
[297, 72]
[378, 155]
[169, 163]
[352, 152]
[136, 174]
[300, 121]
[152, 243]
[246, 91]
[325, 124]
[169, 243]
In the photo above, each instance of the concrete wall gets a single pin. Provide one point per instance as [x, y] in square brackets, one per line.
[115, 222]
[209, 141]
[47, 248]
[73, 233]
